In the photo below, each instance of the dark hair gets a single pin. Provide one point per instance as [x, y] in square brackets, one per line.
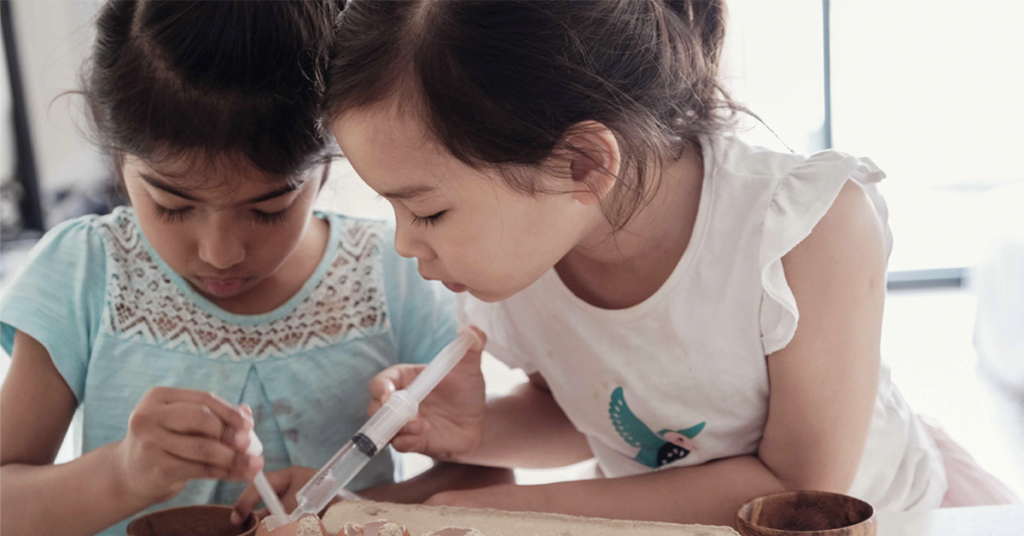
[501, 83]
[212, 80]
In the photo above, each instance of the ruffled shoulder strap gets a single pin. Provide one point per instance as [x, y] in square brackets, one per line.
[801, 199]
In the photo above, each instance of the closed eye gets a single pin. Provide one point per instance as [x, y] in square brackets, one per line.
[269, 218]
[428, 221]
[172, 214]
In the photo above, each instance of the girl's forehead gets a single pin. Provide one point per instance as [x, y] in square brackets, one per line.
[216, 182]
[384, 125]
[392, 148]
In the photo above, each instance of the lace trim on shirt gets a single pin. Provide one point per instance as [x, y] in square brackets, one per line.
[144, 305]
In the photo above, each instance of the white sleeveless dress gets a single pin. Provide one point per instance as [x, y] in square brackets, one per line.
[687, 367]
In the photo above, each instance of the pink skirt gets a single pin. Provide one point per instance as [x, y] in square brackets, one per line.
[967, 483]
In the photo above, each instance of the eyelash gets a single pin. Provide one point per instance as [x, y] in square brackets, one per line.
[172, 215]
[428, 221]
[269, 218]
[178, 214]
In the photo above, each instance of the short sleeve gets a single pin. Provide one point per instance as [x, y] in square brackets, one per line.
[423, 316]
[58, 298]
[801, 199]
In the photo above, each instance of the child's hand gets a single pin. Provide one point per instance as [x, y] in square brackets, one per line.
[176, 435]
[286, 483]
[449, 426]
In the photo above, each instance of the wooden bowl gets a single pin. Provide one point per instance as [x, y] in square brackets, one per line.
[807, 513]
[204, 520]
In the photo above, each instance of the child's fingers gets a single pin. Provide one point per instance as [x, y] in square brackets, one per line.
[474, 355]
[249, 498]
[415, 426]
[392, 378]
[191, 418]
[412, 437]
[230, 415]
[410, 443]
[246, 466]
[388, 381]
[373, 408]
[177, 469]
[483, 339]
[198, 449]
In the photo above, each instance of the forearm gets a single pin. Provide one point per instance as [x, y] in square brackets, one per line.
[528, 429]
[441, 477]
[81, 497]
[707, 494]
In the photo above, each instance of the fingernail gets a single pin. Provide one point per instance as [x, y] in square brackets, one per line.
[247, 412]
[255, 462]
[235, 518]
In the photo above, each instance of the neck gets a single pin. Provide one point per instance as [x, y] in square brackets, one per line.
[620, 268]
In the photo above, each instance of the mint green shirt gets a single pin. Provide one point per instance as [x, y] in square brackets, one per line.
[117, 321]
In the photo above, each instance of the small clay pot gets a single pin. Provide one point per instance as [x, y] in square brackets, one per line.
[806, 513]
[204, 520]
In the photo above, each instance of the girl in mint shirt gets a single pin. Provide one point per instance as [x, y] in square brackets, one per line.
[220, 301]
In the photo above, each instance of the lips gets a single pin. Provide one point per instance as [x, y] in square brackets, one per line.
[223, 286]
[454, 287]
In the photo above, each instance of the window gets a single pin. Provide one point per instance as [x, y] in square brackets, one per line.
[931, 91]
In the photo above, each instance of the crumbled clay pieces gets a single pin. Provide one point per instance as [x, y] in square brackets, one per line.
[377, 528]
[307, 526]
[392, 529]
[312, 526]
[387, 528]
[427, 520]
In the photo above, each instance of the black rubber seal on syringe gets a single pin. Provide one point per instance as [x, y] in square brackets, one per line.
[365, 445]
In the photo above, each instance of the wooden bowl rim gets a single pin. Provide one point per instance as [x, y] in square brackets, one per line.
[781, 532]
[251, 530]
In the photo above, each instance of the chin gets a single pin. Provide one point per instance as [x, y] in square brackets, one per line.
[490, 297]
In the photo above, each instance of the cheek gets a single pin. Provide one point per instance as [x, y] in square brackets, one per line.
[173, 242]
[273, 243]
[503, 249]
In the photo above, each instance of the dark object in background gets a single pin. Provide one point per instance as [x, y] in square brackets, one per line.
[29, 206]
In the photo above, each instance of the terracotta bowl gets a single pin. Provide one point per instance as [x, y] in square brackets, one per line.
[205, 520]
[806, 513]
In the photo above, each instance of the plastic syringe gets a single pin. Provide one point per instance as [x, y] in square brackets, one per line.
[263, 487]
[377, 432]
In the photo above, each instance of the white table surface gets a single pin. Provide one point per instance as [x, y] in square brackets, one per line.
[981, 520]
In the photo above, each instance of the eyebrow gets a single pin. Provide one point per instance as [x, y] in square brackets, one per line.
[408, 193]
[174, 191]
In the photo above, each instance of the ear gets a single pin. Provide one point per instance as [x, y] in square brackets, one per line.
[594, 160]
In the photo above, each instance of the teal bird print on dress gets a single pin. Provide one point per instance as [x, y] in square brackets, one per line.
[658, 449]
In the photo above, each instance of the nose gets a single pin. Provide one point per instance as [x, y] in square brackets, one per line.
[409, 245]
[222, 245]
